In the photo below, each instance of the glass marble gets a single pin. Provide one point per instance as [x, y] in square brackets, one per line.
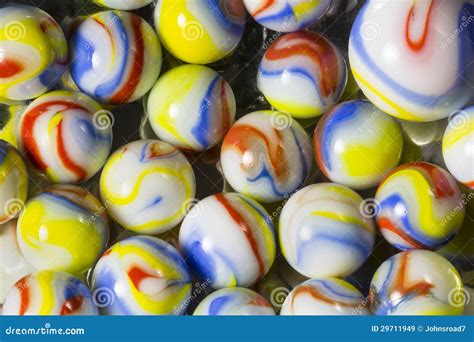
[266, 155]
[66, 135]
[238, 250]
[234, 301]
[13, 265]
[287, 15]
[458, 146]
[196, 117]
[116, 57]
[124, 4]
[152, 191]
[357, 145]
[416, 282]
[323, 232]
[200, 32]
[49, 293]
[63, 228]
[413, 59]
[325, 296]
[419, 205]
[13, 182]
[303, 74]
[33, 52]
[141, 275]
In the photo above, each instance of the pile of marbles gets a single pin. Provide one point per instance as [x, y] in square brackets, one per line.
[236, 157]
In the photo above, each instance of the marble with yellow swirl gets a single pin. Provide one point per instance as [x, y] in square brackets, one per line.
[33, 54]
[10, 115]
[458, 146]
[198, 115]
[323, 232]
[357, 145]
[124, 4]
[147, 186]
[63, 228]
[419, 206]
[142, 275]
[13, 182]
[200, 32]
[287, 15]
[47, 293]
